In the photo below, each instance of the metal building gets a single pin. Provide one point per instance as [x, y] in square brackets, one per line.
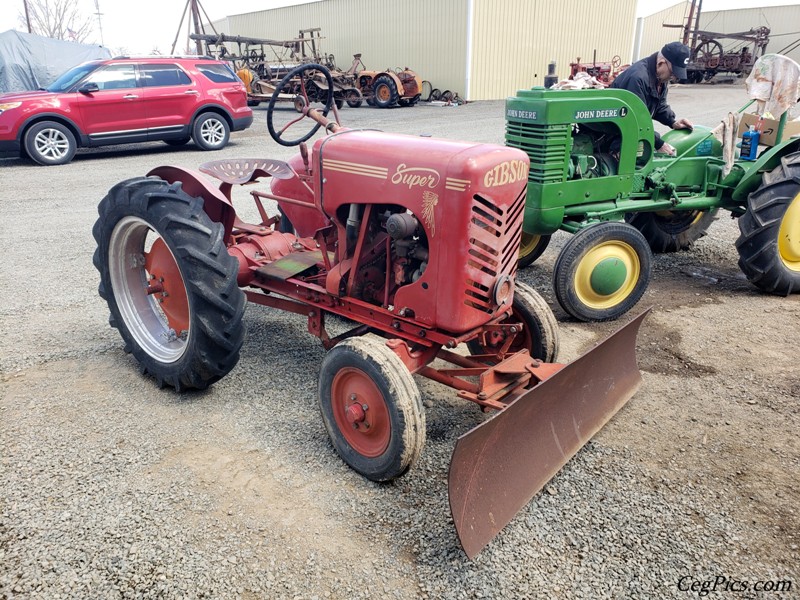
[481, 49]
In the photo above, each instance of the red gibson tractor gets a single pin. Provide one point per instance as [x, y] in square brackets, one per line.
[413, 239]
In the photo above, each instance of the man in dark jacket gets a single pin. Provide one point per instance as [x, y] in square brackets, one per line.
[649, 79]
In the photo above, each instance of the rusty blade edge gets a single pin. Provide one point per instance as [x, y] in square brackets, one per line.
[498, 466]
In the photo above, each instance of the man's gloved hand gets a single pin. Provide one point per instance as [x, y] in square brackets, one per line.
[683, 124]
[666, 149]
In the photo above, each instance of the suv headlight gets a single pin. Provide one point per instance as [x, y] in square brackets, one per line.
[9, 106]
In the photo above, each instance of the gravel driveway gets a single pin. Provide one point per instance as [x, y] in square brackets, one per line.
[112, 488]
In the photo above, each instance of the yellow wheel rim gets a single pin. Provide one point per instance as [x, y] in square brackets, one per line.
[622, 259]
[528, 244]
[789, 236]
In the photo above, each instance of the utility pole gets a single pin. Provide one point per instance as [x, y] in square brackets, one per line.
[99, 20]
[27, 15]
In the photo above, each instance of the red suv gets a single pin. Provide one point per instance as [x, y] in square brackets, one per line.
[125, 100]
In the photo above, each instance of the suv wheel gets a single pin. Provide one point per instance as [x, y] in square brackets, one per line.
[50, 143]
[211, 132]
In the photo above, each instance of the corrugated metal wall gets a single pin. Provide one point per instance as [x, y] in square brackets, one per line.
[514, 40]
[652, 35]
[427, 36]
[783, 21]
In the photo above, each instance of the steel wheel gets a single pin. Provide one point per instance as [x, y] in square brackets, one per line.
[169, 282]
[672, 231]
[50, 143]
[211, 131]
[602, 272]
[148, 289]
[371, 408]
[539, 335]
[531, 247]
[769, 244]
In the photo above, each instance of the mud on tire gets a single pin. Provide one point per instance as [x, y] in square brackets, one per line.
[769, 244]
[146, 226]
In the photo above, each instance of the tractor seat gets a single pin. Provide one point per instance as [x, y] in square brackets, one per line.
[245, 170]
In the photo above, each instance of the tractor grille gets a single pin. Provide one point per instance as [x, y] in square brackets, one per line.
[546, 145]
[494, 237]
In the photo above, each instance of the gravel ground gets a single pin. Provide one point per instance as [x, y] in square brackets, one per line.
[112, 488]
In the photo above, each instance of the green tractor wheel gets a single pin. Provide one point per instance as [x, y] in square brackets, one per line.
[531, 248]
[602, 272]
[769, 244]
[672, 231]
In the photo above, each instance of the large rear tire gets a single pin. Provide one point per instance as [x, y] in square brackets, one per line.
[602, 272]
[672, 231]
[169, 282]
[769, 244]
[371, 408]
[531, 247]
[385, 92]
[539, 335]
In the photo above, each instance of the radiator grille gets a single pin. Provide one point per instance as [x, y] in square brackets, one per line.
[494, 237]
[546, 145]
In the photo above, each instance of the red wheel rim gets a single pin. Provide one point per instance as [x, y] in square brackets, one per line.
[166, 285]
[369, 429]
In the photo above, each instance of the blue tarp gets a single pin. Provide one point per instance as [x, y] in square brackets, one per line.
[30, 62]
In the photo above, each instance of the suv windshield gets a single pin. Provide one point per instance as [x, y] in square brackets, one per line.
[71, 77]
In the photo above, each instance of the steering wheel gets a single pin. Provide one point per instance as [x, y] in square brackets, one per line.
[616, 61]
[300, 82]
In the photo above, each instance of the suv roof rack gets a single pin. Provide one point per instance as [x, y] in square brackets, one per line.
[190, 56]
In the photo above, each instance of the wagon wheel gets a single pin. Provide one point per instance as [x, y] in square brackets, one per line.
[447, 96]
[169, 282]
[602, 272]
[531, 248]
[539, 334]
[436, 94]
[371, 408]
[427, 90]
[353, 98]
[300, 81]
[672, 231]
[386, 94]
[769, 244]
[708, 54]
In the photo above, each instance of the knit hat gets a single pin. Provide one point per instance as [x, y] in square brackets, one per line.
[678, 56]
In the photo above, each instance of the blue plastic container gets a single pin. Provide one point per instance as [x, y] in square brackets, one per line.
[750, 144]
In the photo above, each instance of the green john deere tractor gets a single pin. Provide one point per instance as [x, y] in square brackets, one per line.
[594, 173]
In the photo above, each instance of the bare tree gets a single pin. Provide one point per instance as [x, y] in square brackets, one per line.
[59, 19]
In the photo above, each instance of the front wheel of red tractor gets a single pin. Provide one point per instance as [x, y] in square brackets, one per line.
[539, 334]
[169, 282]
[769, 244]
[371, 408]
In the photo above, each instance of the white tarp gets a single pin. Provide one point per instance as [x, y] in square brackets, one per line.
[30, 62]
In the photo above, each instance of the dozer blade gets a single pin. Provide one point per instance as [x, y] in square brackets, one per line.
[501, 464]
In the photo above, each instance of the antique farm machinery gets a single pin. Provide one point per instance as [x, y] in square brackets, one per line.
[414, 240]
[594, 173]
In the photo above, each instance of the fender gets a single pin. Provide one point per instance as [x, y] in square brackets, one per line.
[216, 205]
[766, 162]
[214, 108]
[52, 116]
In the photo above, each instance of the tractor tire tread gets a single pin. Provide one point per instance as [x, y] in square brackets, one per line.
[757, 245]
[209, 272]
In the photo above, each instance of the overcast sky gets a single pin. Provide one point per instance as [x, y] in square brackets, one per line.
[139, 26]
